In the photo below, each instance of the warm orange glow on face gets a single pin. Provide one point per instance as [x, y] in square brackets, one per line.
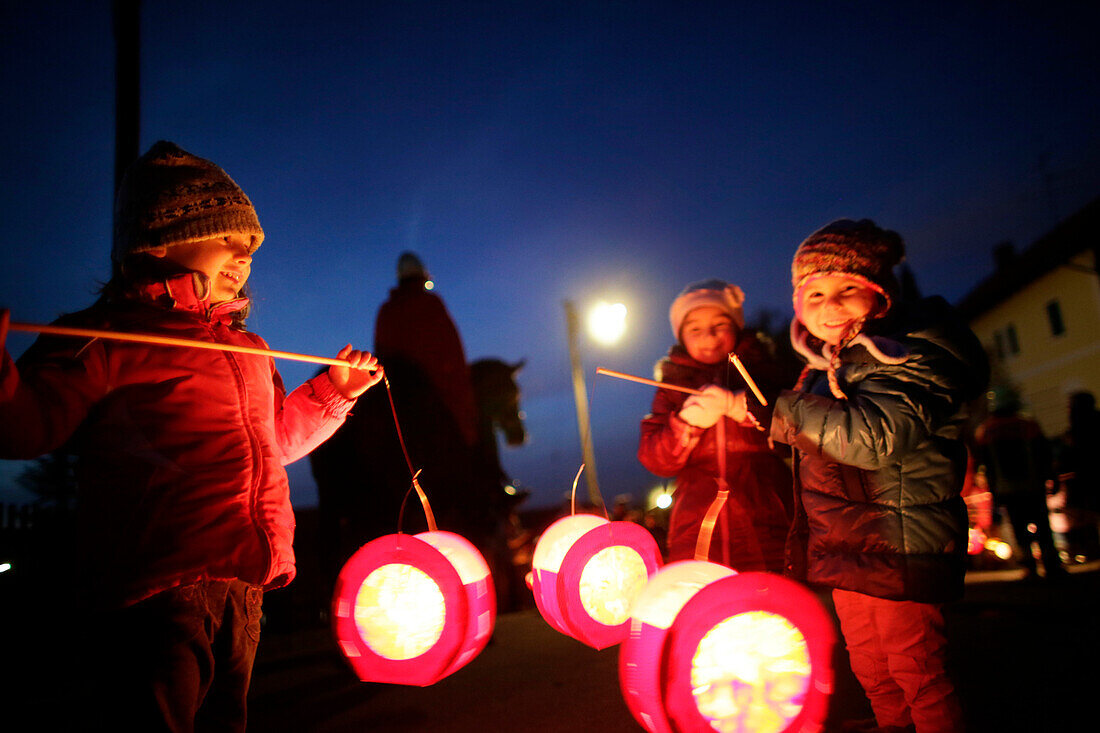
[751, 672]
[399, 611]
[610, 582]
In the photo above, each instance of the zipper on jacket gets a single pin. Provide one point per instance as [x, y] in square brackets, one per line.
[253, 443]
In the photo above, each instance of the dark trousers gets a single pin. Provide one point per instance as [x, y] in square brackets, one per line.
[1025, 509]
[178, 661]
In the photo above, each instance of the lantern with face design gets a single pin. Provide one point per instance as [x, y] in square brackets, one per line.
[413, 609]
[586, 573]
[713, 650]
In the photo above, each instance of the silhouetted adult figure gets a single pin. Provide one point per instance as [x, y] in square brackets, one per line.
[1018, 462]
[413, 327]
[1077, 459]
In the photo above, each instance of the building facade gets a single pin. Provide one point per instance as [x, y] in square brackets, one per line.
[1038, 316]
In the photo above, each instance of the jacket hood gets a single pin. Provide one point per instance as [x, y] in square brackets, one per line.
[923, 326]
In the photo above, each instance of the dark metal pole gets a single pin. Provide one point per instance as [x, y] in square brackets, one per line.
[580, 396]
[127, 28]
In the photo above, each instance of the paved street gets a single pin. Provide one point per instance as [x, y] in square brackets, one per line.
[1025, 655]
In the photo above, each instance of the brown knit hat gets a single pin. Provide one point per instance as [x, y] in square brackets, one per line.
[169, 196]
[858, 249]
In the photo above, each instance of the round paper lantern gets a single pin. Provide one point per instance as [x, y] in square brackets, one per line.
[713, 650]
[586, 573]
[412, 609]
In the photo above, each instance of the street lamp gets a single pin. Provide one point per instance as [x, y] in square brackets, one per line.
[606, 323]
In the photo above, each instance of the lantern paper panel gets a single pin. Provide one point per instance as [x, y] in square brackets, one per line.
[587, 572]
[550, 550]
[413, 609]
[748, 652]
[655, 610]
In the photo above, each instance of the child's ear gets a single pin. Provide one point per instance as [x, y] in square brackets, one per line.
[158, 251]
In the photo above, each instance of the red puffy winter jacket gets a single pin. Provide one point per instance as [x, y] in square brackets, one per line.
[180, 450]
[752, 530]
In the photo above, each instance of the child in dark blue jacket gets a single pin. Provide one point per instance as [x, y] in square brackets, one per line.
[876, 421]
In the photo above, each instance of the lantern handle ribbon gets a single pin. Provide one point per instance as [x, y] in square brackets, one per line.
[423, 502]
[714, 511]
[408, 462]
[573, 497]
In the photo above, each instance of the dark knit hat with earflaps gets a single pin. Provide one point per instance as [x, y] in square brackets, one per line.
[858, 249]
[169, 196]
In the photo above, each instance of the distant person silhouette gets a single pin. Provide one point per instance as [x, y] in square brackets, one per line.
[1077, 454]
[413, 330]
[1017, 460]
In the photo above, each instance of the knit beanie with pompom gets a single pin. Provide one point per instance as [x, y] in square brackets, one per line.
[857, 249]
[169, 196]
[718, 293]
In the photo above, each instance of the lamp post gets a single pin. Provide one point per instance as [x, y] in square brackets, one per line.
[607, 324]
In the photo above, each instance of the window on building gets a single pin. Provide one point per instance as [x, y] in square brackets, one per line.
[1054, 315]
[1010, 338]
[999, 344]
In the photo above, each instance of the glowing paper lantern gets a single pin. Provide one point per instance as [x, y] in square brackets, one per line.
[412, 609]
[586, 573]
[712, 650]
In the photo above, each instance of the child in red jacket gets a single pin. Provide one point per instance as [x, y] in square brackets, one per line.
[709, 442]
[184, 514]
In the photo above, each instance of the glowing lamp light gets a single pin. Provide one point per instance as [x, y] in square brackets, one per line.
[586, 574]
[1000, 548]
[607, 322]
[412, 609]
[710, 649]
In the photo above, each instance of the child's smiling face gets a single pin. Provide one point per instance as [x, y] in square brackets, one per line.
[831, 305]
[224, 260]
[708, 334]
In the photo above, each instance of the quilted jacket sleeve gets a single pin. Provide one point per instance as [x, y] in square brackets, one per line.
[48, 393]
[308, 416]
[889, 411]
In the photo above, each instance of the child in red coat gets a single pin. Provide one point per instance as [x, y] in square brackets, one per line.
[710, 442]
[184, 515]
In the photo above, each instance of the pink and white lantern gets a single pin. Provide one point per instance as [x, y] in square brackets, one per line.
[713, 650]
[412, 609]
[587, 572]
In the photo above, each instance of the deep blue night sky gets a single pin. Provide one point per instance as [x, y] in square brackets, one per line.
[533, 152]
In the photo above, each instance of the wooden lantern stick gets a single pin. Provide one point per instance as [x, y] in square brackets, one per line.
[148, 338]
[643, 380]
[748, 380]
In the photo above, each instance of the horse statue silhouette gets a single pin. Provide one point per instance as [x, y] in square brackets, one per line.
[364, 482]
